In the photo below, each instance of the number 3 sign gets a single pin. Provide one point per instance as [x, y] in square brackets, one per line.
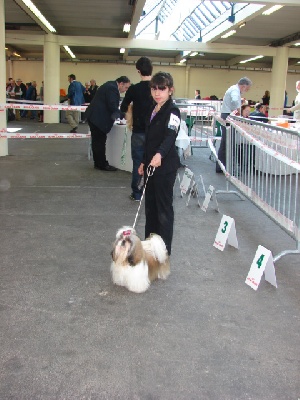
[226, 232]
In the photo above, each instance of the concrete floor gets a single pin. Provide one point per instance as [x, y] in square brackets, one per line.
[68, 333]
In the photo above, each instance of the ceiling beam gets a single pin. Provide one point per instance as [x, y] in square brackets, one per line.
[15, 38]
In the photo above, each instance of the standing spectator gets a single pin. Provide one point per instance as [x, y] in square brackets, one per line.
[93, 88]
[231, 101]
[75, 98]
[162, 126]
[140, 97]
[41, 96]
[266, 98]
[296, 108]
[9, 84]
[87, 99]
[197, 94]
[260, 113]
[10, 88]
[101, 114]
[31, 95]
[20, 93]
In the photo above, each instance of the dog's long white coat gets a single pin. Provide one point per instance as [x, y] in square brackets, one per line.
[135, 278]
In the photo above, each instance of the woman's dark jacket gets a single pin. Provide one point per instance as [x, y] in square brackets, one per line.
[161, 134]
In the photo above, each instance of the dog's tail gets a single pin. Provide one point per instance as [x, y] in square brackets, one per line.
[157, 247]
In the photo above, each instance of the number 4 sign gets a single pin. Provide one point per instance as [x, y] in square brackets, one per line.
[226, 232]
[262, 263]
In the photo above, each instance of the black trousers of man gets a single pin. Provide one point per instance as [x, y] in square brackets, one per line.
[98, 146]
[159, 207]
[222, 148]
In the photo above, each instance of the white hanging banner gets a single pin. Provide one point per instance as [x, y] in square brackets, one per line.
[226, 232]
[262, 263]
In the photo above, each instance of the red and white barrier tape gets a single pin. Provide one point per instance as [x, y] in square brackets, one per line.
[55, 107]
[35, 135]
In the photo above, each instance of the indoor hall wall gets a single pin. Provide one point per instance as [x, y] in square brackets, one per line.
[108, 72]
[216, 82]
[209, 81]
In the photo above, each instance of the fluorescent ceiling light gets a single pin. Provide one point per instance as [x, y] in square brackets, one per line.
[251, 59]
[194, 54]
[122, 50]
[68, 50]
[182, 61]
[242, 25]
[297, 44]
[126, 27]
[271, 10]
[16, 54]
[39, 15]
[230, 33]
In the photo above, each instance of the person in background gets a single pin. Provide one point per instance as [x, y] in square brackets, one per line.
[101, 114]
[260, 113]
[93, 88]
[285, 99]
[41, 98]
[9, 84]
[266, 98]
[20, 93]
[244, 111]
[231, 102]
[31, 95]
[296, 108]
[87, 99]
[197, 94]
[140, 97]
[162, 126]
[75, 98]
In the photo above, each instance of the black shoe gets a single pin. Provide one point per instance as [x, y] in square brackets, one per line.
[182, 165]
[106, 168]
[74, 130]
[133, 198]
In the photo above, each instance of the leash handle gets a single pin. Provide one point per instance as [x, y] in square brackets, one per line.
[150, 171]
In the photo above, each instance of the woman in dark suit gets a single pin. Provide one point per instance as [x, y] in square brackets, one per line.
[162, 126]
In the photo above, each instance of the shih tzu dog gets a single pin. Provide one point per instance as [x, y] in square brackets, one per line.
[136, 263]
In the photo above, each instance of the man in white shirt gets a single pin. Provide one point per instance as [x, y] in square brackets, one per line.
[296, 108]
[231, 101]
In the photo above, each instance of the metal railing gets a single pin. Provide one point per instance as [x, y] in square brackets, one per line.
[263, 163]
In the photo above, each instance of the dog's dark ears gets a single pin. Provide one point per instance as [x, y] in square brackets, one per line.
[131, 260]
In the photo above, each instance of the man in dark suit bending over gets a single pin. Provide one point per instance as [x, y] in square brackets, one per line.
[101, 114]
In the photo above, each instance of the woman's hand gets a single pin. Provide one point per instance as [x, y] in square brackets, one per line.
[141, 169]
[156, 160]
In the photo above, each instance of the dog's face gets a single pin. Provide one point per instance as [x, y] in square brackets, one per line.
[127, 248]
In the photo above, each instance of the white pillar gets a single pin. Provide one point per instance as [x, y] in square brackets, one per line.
[51, 76]
[278, 81]
[3, 122]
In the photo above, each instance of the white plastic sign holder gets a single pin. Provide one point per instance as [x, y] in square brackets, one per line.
[188, 185]
[262, 263]
[226, 233]
[210, 194]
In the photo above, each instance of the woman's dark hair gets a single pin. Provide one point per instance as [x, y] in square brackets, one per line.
[144, 65]
[162, 79]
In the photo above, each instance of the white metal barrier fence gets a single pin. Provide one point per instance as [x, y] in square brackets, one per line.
[198, 115]
[263, 163]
